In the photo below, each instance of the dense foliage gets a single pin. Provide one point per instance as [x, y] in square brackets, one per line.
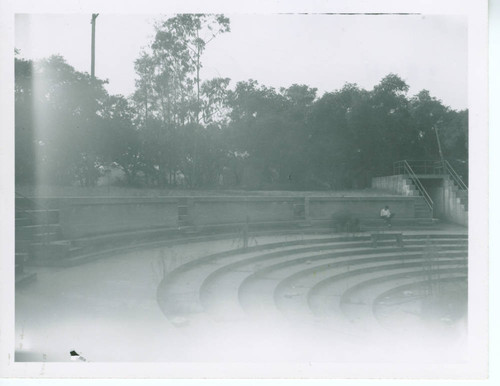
[176, 129]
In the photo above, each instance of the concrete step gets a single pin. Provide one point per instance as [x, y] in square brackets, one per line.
[19, 269]
[343, 286]
[124, 238]
[22, 221]
[24, 278]
[264, 283]
[423, 214]
[42, 216]
[168, 233]
[22, 246]
[29, 231]
[24, 203]
[413, 221]
[21, 257]
[330, 276]
[230, 274]
[49, 252]
[357, 303]
[76, 251]
[46, 237]
[20, 261]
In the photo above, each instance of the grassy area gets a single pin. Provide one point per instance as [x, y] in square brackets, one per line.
[117, 191]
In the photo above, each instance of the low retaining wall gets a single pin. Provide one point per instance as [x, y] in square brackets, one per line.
[361, 207]
[84, 217]
[89, 217]
[223, 210]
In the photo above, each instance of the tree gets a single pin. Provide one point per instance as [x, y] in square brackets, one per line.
[196, 31]
[57, 122]
[119, 140]
[25, 142]
[269, 127]
[169, 91]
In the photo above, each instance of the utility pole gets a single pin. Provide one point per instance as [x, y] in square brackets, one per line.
[439, 144]
[441, 158]
[92, 58]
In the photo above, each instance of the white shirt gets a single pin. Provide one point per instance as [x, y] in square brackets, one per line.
[385, 212]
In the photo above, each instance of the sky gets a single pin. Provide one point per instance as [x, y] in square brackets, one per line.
[277, 50]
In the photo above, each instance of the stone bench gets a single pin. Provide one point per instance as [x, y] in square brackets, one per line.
[397, 236]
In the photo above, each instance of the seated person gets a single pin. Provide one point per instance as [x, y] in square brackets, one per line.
[386, 214]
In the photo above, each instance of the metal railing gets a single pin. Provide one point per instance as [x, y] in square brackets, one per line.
[426, 167]
[421, 166]
[454, 175]
[404, 167]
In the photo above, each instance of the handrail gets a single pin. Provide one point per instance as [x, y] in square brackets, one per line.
[436, 167]
[455, 176]
[430, 167]
[419, 185]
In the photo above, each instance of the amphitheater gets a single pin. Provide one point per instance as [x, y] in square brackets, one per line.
[202, 279]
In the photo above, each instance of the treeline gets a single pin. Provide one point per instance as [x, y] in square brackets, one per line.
[176, 129]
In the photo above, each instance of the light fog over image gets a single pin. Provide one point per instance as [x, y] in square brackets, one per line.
[236, 188]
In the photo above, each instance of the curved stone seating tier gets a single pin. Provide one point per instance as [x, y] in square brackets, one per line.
[298, 294]
[205, 296]
[244, 260]
[292, 290]
[230, 278]
[327, 296]
[399, 308]
[178, 292]
[335, 279]
[357, 301]
[273, 275]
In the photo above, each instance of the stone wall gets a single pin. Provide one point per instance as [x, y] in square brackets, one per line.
[453, 209]
[83, 217]
[80, 217]
[223, 210]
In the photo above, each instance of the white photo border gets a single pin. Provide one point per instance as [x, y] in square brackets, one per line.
[477, 365]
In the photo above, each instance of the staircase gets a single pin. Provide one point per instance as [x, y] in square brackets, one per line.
[457, 206]
[459, 188]
[404, 167]
[422, 210]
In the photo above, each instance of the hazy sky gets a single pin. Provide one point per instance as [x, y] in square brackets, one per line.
[322, 51]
